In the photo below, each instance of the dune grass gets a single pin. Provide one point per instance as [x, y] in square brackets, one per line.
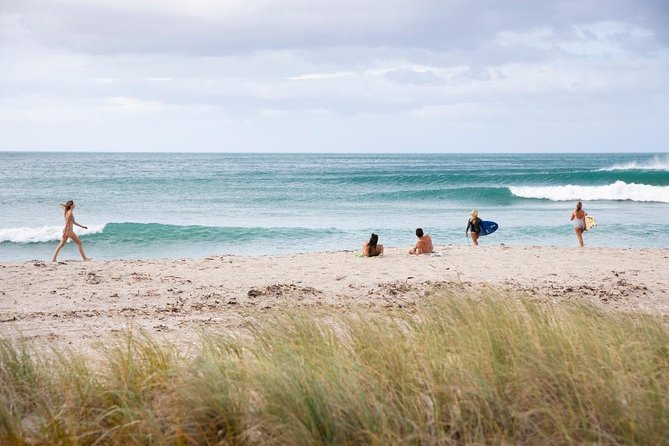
[457, 371]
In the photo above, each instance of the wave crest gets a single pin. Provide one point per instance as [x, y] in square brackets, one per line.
[147, 233]
[43, 234]
[655, 163]
[612, 192]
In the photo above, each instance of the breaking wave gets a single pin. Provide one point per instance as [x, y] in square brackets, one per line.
[43, 234]
[145, 234]
[614, 192]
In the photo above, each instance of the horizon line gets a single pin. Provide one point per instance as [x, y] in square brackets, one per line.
[181, 152]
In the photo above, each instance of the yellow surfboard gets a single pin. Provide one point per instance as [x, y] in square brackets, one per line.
[590, 222]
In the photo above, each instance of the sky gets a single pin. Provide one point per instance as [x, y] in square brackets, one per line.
[334, 76]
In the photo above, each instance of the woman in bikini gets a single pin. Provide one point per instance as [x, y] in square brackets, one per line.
[68, 232]
[372, 247]
[578, 218]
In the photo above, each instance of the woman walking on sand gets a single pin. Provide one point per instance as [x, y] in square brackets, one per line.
[68, 232]
[578, 217]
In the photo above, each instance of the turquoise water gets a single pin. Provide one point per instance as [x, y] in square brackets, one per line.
[185, 205]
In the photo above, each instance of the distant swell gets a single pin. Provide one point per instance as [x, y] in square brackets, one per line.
[614, 192]
[655, 163]
[495, 195]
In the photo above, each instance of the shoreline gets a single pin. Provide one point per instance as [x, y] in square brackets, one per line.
[74, 256]
[80, 303]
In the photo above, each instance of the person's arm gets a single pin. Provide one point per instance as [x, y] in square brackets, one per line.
[81, 226]
[469, 224]
[573, 214]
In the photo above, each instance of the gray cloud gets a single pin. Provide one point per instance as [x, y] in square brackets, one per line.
[346, 75]
[219, 28]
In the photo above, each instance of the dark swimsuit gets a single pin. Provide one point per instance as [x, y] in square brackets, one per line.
[475, 227]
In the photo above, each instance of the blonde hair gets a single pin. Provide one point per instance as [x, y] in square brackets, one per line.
[67, 206]
[579, 206]
[474, 215]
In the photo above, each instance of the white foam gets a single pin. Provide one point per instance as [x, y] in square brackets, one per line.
[655, 163]
[616, 191]
[43, 234]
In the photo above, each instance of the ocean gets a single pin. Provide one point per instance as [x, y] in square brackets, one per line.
[164, 205]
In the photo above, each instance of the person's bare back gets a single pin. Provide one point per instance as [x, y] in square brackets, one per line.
[423, 245]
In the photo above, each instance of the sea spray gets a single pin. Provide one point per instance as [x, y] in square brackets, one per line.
[656, 163]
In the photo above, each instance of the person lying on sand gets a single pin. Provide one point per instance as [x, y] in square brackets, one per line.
[423, 245]
[372, 248]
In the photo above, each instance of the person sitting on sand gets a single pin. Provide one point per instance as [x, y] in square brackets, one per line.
[372, 247]
[423, 245]
[68, 232]
[474, 224]
[578, 217]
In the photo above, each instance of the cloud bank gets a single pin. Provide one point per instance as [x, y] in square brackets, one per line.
[341, 76]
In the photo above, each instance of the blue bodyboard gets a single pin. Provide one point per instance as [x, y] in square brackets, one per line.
[488, 227]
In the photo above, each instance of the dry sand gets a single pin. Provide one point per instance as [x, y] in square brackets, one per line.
[79, 303]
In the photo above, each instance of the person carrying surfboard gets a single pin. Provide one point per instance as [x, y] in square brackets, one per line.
[474, 224]
[578, 218]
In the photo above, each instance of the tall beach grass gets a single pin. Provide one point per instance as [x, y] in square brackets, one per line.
[458, 370]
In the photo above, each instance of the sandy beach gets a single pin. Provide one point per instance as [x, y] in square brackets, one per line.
[80, 303]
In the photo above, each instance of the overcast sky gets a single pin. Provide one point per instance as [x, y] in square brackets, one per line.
[334, 76]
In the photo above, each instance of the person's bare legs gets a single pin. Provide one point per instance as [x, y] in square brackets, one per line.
[379, 249]
[76, 240]
[63, 240]
[579, 234]
[475, 238]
